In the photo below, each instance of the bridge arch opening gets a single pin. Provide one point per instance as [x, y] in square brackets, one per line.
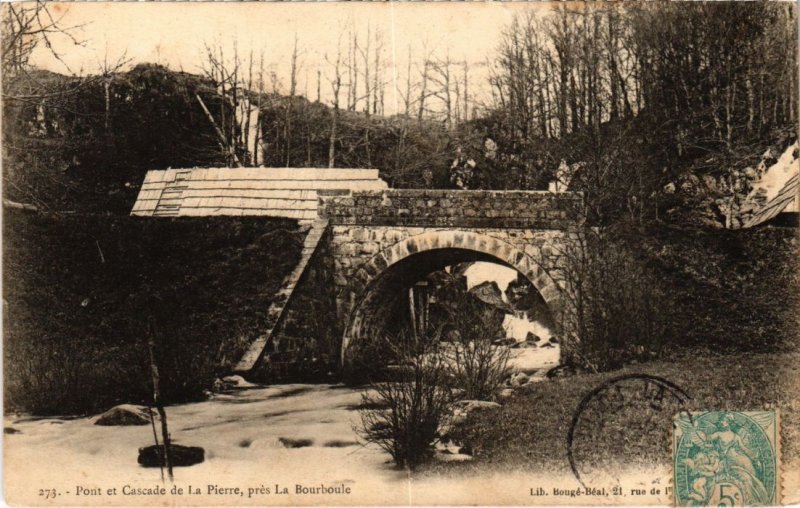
[383, 294]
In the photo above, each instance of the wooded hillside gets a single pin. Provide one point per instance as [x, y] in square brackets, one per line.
[624, 102]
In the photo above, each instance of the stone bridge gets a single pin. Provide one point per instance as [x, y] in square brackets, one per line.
[383, 242]
[373, 245]
[366, 245]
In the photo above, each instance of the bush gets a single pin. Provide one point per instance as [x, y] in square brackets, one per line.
[468, 326]
[475, 366]
[404, 417]
[616, 309]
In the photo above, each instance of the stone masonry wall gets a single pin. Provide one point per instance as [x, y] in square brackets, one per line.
[305, 346]
[453, 208]
[353, 246]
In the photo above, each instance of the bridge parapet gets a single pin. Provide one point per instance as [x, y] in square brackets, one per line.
[452, 208]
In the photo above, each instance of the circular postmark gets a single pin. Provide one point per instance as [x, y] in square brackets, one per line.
[725, 458]
[624, 420]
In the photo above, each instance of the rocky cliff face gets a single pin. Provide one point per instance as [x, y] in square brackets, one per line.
[728, 197]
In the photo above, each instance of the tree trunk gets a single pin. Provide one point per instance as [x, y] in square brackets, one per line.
[367, 96]
[165, 438]
[222, 139]
[423, 91]
[332, 143]
[466, 91]
[292, 90]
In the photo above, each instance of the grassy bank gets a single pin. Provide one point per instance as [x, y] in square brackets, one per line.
[530, 429]
[83, 293]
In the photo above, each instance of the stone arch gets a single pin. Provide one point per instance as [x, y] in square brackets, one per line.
[461, 245]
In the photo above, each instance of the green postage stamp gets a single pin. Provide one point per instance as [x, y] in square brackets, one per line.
[727, 458]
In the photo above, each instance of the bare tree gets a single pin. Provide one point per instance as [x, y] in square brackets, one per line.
[377, 76]
[466, 90]
[319, 85]
[423, 89]
[290, 103]
[336, 85]
[352, 66]
[223, 77]
[406, 95]
[258, 135]
[441, 76]
[240, 88]
[25, 27]
[365, 55]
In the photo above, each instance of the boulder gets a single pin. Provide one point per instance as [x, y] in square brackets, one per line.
[538, 376]
[489, 293]
[218, 386]
[532, 337]
[448, 450]
[770, 156]
[124, 414]
[230, 383]
[519, 379]
[237, 382]
[561, 371]
[447, 447]
[464, 408]
[469, 406]
[505, 393]
[553, 340]
[182, 456]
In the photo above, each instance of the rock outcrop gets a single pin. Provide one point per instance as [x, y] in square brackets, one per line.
[124, 414]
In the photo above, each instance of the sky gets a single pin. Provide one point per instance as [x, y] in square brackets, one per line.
[482, 271]
[174, 34]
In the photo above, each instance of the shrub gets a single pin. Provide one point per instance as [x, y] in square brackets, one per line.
[616, 310]
[475, 366]
[404, 417]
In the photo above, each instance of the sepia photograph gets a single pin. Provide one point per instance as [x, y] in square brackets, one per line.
[400, 253]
